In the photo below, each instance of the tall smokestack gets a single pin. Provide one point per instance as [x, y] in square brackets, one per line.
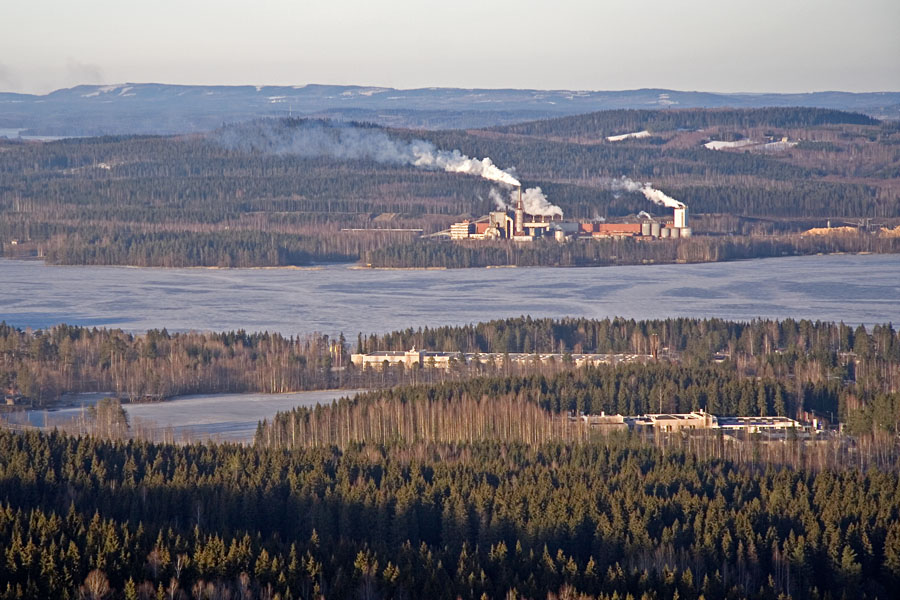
[681, 217]
[520, 215]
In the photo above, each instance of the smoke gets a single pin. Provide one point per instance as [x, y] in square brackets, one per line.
[660, 198]
[644, 215]
[498, 200]
[534, 201]
[79, 73]
[348, 142]
[653, 195]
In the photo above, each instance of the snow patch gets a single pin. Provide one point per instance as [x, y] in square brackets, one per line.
[625, 136]
[779, 146]
[722, 145]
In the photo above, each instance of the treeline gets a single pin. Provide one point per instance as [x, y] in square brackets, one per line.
[43, 364]
[842, 373]
[531, 409]
[612, 122]
[37, 367]
[833, 370]
[189, 249]
[612, 519]
[181, 249]
[427, 253]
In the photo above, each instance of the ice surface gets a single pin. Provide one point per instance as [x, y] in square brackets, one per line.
[850, 288]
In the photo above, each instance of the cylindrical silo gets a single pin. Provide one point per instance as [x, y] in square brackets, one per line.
[645, 228]
[654, 229]
[676, 232]
[665, 232]
[686, 232]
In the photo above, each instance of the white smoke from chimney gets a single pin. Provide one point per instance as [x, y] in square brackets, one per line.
[348, 142]
[658, 197]
[653, 195]
[644, 215]
[536, 203]
[498, 200]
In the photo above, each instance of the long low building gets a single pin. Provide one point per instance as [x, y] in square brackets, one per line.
[677, 422]
[674, 422]
[443, 360]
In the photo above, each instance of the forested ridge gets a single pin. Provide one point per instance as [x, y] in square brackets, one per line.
[785, 367]
[190, 200]
[624, 121]
[612, 519]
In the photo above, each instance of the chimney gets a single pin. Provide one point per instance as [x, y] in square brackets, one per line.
[520, 215]
[681, 217]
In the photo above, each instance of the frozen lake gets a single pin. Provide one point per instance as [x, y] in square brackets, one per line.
[338, 298]
[223, 417]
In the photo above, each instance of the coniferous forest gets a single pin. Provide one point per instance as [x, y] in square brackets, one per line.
[473, 483]
[615, 518]
[786, 368]
[201, 200]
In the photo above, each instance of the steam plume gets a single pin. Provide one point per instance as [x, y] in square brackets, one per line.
[498, 200]
[533, 200]
[348, 142]
[644, 215]
[536, 203]
[653, 195]
[660, 198]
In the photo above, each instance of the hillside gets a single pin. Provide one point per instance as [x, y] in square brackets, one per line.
[277, 192]
[159, 108]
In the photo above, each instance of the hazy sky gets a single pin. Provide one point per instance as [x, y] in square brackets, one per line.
[711, 45]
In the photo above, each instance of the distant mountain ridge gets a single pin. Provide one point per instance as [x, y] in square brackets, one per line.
[162, 108]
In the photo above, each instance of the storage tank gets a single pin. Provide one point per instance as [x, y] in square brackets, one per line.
[676, 232]
[654, 229]
[645, 228]
[560, 235]
[665, 232]
[686, 232]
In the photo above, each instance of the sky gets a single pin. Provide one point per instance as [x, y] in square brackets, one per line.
[706, 45]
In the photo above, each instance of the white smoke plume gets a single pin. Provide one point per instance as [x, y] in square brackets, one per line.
[658, 197]
[498, 200]
[348, 142]
[644, 215]
[653, 195]
[536, 203]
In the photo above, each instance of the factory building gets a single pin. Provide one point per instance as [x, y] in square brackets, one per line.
[409, 358]
[524, 227]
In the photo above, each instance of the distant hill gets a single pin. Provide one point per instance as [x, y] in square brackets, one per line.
[613, 122]
[161, 108]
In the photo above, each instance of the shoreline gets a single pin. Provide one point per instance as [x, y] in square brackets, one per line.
[358, 267]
